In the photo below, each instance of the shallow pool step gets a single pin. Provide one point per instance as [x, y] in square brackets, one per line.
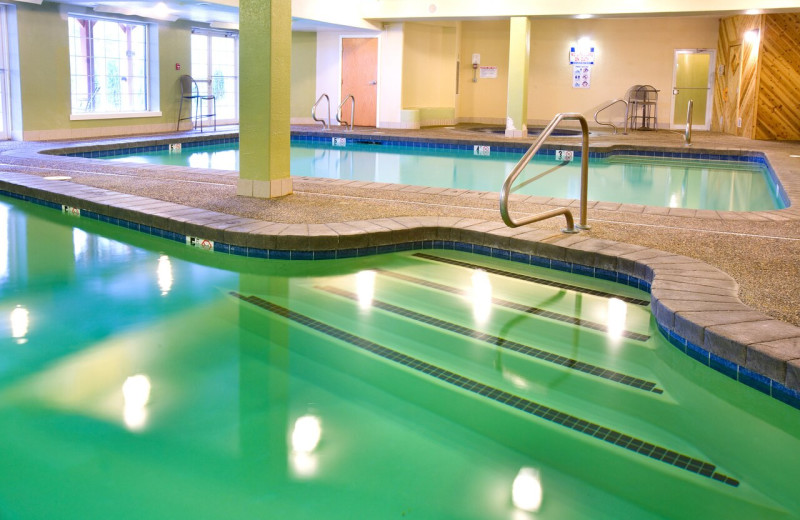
[496, 341]
[540, 411]
[536, 311]
[531, 279]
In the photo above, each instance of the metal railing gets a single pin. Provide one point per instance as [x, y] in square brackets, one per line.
[325, 125]
[505, 192]
[352, 111]
[687, 137]
[609, 105]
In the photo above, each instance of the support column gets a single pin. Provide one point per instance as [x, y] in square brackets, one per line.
[265, 54]
[519, 52]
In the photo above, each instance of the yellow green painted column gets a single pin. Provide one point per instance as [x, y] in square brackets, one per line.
[265, 51]
[519, 51]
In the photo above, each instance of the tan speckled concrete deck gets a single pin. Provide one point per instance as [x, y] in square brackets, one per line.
[701, 264]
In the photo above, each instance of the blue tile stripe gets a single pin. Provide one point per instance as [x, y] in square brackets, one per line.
[577, 424]
[770, 387]
[736, 372]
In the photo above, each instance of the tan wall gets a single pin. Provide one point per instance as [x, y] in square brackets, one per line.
[484, 100]
[629, 51]
[304, 73]
[429, 66]
[45, 83]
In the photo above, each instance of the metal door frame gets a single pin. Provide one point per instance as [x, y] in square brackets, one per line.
[711, 73]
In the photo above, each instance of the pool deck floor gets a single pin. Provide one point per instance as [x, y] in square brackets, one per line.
[687, 254]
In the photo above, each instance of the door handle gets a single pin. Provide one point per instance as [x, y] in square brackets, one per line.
[373, 82]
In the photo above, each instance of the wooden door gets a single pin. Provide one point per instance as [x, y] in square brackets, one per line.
[360, 78]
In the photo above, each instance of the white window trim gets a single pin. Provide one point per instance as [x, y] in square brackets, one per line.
[112, 115]
[152, 94]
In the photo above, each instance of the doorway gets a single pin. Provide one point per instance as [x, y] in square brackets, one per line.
[360, 78]
[693, 79]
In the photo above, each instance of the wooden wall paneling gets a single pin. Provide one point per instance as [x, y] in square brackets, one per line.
[778, 104]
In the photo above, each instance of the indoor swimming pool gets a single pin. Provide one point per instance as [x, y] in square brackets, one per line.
[142, 378]
[652, 181]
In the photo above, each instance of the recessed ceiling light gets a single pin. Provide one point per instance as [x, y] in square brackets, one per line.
[584, 16]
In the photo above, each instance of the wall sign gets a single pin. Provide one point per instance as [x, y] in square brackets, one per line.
[581, 56]
[488, 72]
[581, 76]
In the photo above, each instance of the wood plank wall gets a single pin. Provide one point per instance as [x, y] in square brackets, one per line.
[760, 81]
[735, 90]
[779, 83]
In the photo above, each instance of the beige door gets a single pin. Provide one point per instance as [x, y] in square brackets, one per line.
[360, 78]
[692, 80]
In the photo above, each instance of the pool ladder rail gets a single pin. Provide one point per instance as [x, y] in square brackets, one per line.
[506, 190]
[609, 123]
[352, 111]
[687, 136]
[325, 125]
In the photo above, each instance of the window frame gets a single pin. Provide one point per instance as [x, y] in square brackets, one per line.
[209, 33]
[150, 70]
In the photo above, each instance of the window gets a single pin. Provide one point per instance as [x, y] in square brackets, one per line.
[108, 65]
[215, 66]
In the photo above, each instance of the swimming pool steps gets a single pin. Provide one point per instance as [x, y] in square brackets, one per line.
[541, 411]
[572, 320]
[696, 323]
[532, 279]
[514, 346]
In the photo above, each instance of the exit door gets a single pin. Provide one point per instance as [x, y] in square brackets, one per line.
[360, 78]
[693, 80]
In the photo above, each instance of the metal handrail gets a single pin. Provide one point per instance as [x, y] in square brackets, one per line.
[325, 125]
[352, 111]
[612, 125]
[512, 176]
[688, 135]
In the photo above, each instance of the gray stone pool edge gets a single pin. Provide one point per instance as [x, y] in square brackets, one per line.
[695, 305]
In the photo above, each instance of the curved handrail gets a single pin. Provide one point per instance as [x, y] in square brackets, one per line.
[325, 125]
[609, 105]
[688, 135]
[352, 111]
[512, 176]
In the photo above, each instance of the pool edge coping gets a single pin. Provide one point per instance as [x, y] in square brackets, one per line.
[789, 191]
[696, 305]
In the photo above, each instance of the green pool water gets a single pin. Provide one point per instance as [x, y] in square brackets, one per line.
[695, 184]
[141, 378]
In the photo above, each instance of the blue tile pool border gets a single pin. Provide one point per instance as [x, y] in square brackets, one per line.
[419, 143]
[732, 370]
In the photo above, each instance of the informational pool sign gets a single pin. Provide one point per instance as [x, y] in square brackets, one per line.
[581, 55]
[581, 76]
[488, 72]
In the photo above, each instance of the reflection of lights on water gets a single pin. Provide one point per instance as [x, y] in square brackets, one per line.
[673, 201]
[515, 379]
[305, 439]
[304, 464]
[20, 320]
[481, 296]
[365, 288]
[164, 272]
[306, 434]
[136, 393]
[3, 242]
[80, 242]
[617, 312]
[526, 492]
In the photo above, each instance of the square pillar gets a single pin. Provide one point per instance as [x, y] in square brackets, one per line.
[265, 55]
[519, 51]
